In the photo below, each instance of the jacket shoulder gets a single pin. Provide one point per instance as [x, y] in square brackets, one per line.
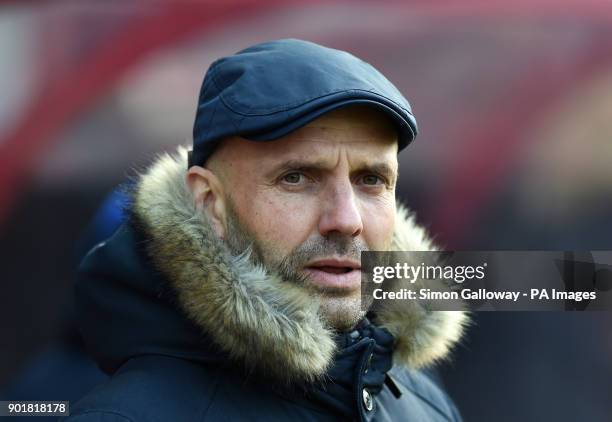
[151, 388]
[427, 392]
[97, 416]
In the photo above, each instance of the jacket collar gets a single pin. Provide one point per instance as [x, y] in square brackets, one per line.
[363, 359]
[254, 317]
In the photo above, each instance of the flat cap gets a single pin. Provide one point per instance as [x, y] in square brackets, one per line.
[271, 89]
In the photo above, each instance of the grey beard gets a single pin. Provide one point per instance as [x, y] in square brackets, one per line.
[239, 239]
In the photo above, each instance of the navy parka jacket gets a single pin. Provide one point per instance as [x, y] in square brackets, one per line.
[191, 333]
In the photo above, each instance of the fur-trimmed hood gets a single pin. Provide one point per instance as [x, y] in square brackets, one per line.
[253, 315]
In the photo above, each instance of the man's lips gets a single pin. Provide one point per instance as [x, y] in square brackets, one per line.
[337, 274]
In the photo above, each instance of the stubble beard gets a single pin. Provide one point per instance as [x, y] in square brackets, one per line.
[340, 310]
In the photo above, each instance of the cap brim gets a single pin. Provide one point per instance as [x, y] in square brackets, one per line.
[406, 134]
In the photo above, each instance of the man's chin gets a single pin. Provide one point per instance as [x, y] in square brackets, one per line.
[341, 313]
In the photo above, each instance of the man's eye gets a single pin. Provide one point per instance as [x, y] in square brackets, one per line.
[293, 178]
[372, 179]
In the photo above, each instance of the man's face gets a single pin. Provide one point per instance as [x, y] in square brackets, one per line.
[311, 201]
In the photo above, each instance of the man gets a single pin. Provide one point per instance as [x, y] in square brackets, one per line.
[233, 291]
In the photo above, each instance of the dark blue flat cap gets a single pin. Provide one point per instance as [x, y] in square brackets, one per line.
[271, 89]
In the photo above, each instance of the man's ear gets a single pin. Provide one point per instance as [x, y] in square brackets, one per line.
[208, 196]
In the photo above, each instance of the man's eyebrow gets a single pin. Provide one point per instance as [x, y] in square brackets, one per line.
[381, 168]
[299, 165]
[303, 165]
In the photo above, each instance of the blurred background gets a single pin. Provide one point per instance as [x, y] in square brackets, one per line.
[514, 104]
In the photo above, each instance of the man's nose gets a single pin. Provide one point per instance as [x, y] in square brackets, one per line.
[341, 212]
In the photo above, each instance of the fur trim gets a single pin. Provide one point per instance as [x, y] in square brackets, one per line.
[423, 336]
[268, 325]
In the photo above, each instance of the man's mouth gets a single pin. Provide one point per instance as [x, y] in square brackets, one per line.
[335, 273]
[334, 270]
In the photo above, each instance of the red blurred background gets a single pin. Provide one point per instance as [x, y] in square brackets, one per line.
[514, 104]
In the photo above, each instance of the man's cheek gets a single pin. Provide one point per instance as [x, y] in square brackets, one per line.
[281, 223]
[378, 230]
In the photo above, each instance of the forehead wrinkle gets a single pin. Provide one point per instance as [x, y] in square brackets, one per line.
[331, 160]
[363, 133]
[298, 147]
[356, 140]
